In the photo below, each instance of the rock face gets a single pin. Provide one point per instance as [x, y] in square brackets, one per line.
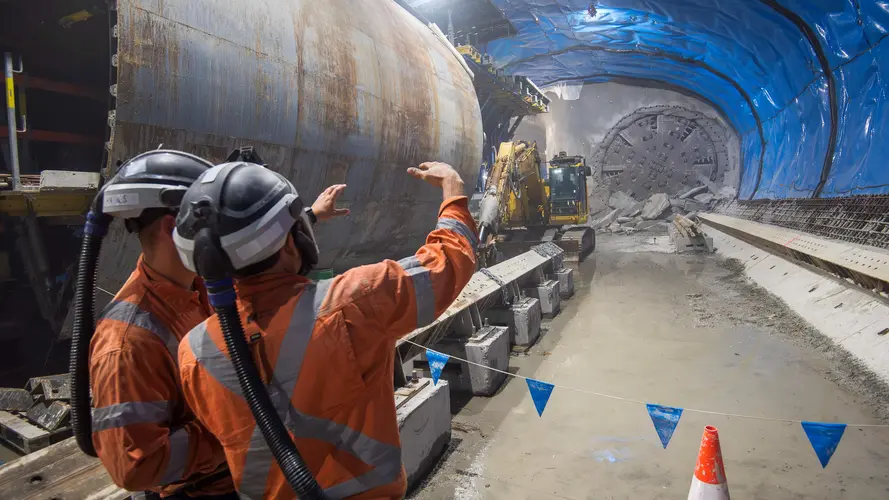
[655, 206]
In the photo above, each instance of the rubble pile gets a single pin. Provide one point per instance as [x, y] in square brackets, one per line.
[36, 416]
[626, 214]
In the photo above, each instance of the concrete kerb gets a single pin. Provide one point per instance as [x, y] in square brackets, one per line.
[849, 316]
[423, 411]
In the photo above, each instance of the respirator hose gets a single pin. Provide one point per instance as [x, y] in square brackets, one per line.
[297, 473]
[84, 325]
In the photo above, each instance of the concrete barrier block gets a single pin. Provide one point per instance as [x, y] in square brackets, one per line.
[489, 347]
[522, 318]
[548, 295]
[424, 423]
[566, 282]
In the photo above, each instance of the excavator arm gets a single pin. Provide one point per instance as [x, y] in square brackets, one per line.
[517, 207]
[515, 195]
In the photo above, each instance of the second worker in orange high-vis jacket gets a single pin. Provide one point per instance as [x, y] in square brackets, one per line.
[143, 432]
[325, 351]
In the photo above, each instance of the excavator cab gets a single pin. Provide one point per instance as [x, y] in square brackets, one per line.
[519, 209]
[568, 189]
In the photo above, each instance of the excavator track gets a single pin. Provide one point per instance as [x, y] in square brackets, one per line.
[577, 242]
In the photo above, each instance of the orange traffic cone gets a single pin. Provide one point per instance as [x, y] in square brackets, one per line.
[708, 482]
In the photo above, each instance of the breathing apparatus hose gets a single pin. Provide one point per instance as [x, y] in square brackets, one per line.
[84, 324]
[222, 297]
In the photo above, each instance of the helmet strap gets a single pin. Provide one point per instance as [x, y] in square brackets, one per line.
[146, 218]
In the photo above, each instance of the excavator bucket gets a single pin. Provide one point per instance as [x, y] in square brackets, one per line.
[577, 242]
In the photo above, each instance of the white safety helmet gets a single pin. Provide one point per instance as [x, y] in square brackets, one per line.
[153, 180]
[238, 215]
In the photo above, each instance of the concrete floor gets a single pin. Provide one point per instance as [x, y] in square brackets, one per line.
[685, 331]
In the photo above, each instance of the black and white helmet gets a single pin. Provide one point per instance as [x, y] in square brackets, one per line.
[239, 214]
[153, 180]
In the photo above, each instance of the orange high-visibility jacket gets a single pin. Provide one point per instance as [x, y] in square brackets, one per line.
[326, 352]
[144, 433]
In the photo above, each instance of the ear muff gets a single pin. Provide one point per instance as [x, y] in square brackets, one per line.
[211, 261]
[308, 250]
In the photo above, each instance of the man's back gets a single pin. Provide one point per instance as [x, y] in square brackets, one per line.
[326, 351]
[144, 432]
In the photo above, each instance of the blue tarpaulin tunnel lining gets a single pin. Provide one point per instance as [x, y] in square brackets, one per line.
[681, 60]
[762, 48]
[831, 90]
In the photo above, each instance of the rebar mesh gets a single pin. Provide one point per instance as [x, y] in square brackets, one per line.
[861, 219]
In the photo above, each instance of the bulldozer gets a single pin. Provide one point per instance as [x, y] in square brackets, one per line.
[519, 208]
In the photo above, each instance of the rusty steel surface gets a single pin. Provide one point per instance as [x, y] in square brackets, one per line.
[328, 92]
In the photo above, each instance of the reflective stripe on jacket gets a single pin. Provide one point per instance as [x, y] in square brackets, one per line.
[326, 353]
[145, 435]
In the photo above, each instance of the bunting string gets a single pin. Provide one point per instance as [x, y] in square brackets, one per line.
[823, 436]
[631, 400]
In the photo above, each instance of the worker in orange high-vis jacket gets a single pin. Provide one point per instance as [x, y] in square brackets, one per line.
[143, 431]
[325, 350]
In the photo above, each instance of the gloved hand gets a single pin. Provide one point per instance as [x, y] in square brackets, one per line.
[440, 175]
[325, 206]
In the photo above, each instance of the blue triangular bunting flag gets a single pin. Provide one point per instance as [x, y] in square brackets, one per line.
[437, 361]
[665, 420]
[540, 392]
[824, 438]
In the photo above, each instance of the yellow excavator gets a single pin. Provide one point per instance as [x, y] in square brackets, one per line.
[519, 208]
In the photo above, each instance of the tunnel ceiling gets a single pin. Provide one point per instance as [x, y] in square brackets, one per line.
[802, 81]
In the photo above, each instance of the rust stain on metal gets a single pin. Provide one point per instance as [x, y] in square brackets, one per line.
[364, 90]
[337, 170]
[335, 59]
[156, 47]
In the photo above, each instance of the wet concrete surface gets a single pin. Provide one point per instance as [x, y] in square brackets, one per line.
[679, 330]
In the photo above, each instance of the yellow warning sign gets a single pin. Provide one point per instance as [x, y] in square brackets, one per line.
[10, 95]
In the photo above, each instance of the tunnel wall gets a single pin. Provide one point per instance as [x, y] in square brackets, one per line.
[802, 81]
